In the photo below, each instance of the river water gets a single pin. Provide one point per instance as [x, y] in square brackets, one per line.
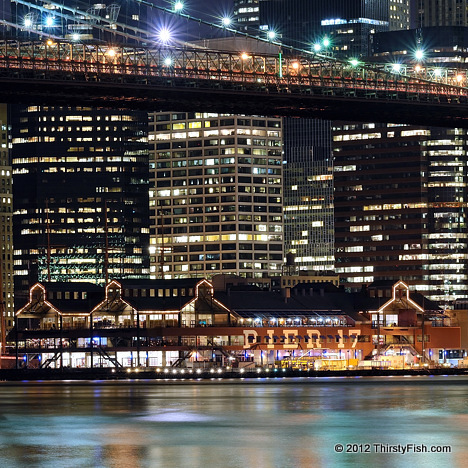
[287, 423]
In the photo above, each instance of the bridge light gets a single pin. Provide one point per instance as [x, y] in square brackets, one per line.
[164, 35]
[419, 54]
[326, 42]
[396, 67]
[354, 62]
[438, 72]
[244, 56]
[295, 65]
[75, 37]
[226, 21]
[28, 22]
[271, 35]
[317, 47]
[459, 78]
[168, 61]
[49, 21]
[50, 42]
[111, 53]
[417, 68]
[178, 7]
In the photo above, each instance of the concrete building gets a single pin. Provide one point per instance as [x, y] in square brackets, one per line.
[216, 196]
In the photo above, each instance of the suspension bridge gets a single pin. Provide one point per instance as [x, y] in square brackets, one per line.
[45, 69]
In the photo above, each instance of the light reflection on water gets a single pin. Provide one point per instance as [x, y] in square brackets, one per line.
[290, 423]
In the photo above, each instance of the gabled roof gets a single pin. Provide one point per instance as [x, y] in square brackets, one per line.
[38, 305]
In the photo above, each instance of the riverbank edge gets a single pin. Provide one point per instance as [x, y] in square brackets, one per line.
[12, 375]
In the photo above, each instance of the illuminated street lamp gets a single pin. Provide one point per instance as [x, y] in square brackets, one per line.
[28, 22]
[178, 7]
[75, 37]
[317, 47]
[271, 35]
[226, 21]
[49, 21]
[164, 35]
[419, 54]
[396, 67]
[354, 62]
[168, 61]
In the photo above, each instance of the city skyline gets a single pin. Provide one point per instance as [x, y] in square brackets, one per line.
[296, 151]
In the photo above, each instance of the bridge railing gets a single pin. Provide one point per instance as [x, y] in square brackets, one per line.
[281, 74]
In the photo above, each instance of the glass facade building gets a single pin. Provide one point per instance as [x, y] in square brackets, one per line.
[308, 193]
[81, 207]
[217, 199]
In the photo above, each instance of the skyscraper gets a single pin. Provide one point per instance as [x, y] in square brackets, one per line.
[217, 198]
[400, 15]
[346, 23]
[442, 13]
[6, 222]
[80, 194]
[400, 207]
[308, 193]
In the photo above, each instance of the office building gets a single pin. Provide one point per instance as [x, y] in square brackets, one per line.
[401, 190]
[400, 15]
[216, 196]
[442, 13]
[247, 14]
[6, 223]
[347, 24]
[80, 194]
[308, 193]
[400, 207]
